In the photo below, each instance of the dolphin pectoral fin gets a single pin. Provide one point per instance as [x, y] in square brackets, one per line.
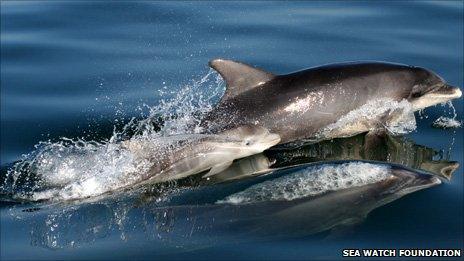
[239, 77]
[343, 230]
[217, 169]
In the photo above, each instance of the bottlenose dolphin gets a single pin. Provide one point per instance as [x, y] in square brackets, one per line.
[187, 155]
[189, 222]
[147, 160]
[307, 104]
[348, 206]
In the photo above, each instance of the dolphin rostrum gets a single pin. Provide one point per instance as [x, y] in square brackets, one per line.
[335, 100]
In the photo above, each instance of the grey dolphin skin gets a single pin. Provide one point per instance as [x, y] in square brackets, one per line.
[300, 105]
[349, 206]
[179, 156]
[191, 223]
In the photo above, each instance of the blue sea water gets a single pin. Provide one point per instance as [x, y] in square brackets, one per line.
[77, 69]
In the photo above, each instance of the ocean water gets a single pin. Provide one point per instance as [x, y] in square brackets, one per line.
[84, 69]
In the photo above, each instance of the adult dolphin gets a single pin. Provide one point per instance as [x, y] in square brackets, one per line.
[194, 218]
[309, 104]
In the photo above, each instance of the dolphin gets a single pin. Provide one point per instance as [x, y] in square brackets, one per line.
[308, 104]
[348, 206]
[153, 160]
[186, 155]
[190, 223]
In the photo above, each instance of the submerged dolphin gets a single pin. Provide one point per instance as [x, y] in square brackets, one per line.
[186, 155]
[349, 206]
[190, 222]
[307, 104]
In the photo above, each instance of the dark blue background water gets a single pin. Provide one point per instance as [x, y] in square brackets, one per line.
[70, 69]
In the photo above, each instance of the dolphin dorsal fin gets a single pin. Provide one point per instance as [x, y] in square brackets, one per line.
[239, 77]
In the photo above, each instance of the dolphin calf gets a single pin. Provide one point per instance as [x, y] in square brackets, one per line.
[187, 155]
[335, 100]
[146, 160]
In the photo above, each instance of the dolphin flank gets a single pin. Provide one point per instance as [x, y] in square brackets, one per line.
[303, 104]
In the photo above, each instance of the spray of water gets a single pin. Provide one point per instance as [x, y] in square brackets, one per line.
[396, 117]
[448, 122]
[76, 168]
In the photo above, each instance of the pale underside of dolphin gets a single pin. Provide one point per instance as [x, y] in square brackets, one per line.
[310, 104]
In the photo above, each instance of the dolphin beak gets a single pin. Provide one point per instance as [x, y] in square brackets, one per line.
[438, 95]
[415, 180]
[421, 183]
[449, 91]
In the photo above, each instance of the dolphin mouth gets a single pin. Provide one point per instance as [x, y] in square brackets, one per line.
[414, 181]
[446, 91]
[440, 94]
[420, 184]
[427, 183]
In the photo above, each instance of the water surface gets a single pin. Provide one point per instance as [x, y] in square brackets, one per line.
[78, 69]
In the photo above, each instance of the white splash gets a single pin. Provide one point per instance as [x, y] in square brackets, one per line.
[183, 113]
[81, 169]
[74, 169]
[396, 117]
[312, 181]
[445, 122]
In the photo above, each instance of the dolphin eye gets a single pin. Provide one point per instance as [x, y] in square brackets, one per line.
[416, 94]
[416, 91]
[247, 143]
